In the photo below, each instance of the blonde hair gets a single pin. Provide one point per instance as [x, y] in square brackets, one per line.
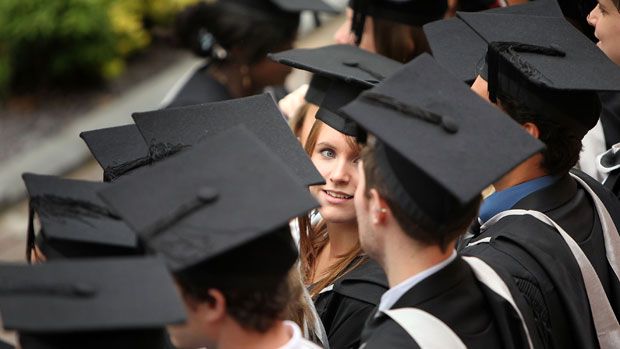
[296, 123]
[314, 238]
[301, 309]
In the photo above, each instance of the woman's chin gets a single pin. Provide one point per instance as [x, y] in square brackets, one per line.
[338, 214]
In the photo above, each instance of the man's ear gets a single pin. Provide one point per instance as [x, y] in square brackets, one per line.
[216, 305]
[532, 129]
[379, 208]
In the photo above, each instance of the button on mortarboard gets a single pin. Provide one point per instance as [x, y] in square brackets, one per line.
[256, 194]
[473, 142]
[170, 130]
[118, 150]
[100, 297]
[207, 194]
[74, 221]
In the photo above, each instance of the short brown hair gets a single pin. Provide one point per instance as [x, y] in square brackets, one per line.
[256, 289]
[375, 180]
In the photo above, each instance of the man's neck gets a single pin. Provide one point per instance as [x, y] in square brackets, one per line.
[234, 336]
[528, 170]
[404, 258]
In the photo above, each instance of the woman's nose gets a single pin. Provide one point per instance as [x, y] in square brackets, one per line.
[341, 173]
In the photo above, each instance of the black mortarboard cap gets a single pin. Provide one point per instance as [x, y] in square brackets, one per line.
[171, 130]
[460, 49]
[220, 194]
[342, 62]
[411, 12]
[287, 5]
[74, 221]
[350, 69]
[118, 150]
[439, 144]
[337, 96]
[316, 89]
[556, 75]
[110, 303]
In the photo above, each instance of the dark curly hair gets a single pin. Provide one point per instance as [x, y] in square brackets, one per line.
[563, 144]
[256, 289]
[204, 26]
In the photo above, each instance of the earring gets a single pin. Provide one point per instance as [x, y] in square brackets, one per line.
[246, 81]
[382, 211]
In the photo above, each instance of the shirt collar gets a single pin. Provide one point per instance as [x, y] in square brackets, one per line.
[504, 200]
[391, 296]
[295, 332]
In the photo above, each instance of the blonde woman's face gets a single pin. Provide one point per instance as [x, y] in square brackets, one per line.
[337, 162]
[605, 18]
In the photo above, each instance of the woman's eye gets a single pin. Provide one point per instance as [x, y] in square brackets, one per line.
[356, 160]
[328, 153]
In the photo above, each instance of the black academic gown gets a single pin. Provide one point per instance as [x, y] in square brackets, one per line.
[479, 317]
[610, 119]
[344, 309]
[200, 88]
[542, 265]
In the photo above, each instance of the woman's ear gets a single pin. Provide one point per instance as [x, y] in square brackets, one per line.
[532, 129]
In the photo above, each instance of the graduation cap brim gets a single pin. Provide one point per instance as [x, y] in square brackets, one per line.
[336, 96]
[286, 6]
[70, 210]
[305, 5]
[461, 50]
[179, 128]
[487, 145]
[316, 89]
[411, 12]
[343, 62]
[118, 150]
[89, 295]
[250, 193]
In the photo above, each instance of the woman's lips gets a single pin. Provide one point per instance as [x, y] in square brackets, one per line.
[336, 197]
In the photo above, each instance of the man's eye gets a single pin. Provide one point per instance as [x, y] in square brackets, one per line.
[328, 153]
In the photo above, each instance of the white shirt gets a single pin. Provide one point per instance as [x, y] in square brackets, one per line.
[297, 341]
[593, 146]
[392, 295]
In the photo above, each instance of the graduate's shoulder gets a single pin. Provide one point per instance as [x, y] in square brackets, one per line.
[366, 282]
[386, 333]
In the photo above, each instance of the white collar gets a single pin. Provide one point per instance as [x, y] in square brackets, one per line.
[296, 341]
[392, 295]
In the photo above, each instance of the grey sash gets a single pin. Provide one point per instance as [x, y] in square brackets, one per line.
[605, 321]
[431, 333]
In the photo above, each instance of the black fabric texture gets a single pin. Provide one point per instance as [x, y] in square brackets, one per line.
[200, 209]
[345, 309]
[174, 129]
[451, 295]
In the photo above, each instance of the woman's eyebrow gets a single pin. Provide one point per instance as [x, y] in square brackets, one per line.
[326, 144]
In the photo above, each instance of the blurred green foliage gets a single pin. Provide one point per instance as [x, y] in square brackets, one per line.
[60, 42]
